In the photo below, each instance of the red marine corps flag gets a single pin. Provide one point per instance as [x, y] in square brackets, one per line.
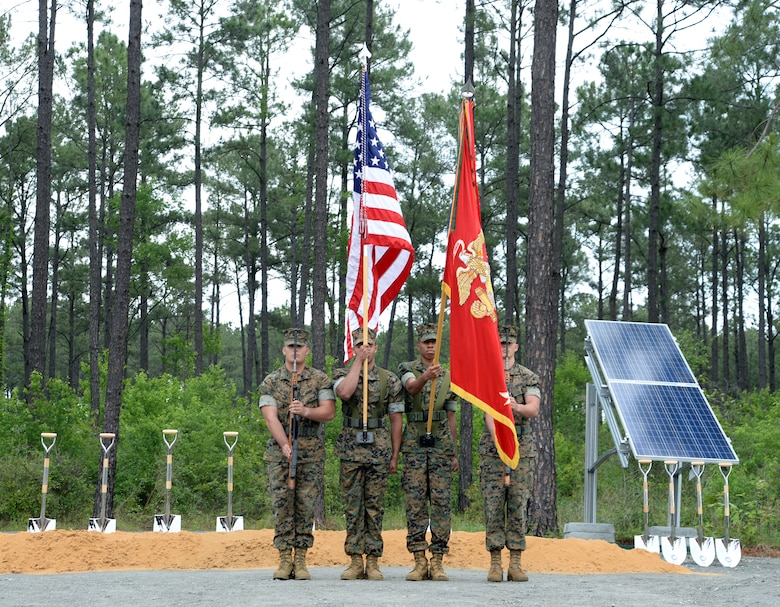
[380, 249]
[476, 362]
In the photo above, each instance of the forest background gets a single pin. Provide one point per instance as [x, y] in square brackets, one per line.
[647, 192]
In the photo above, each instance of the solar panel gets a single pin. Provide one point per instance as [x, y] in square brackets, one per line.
[661, 406]
[638, 351]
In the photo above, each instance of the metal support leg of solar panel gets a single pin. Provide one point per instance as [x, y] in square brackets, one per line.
[646, 393]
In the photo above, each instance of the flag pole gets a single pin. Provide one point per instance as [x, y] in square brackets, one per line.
[507, 469]
[364, 55]
[467, 94]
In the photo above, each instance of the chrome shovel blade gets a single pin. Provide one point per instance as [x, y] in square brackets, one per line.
[172, 525]
[224, 526]
[653, 543]
[673, 550]
[102, 526]
[729, 554]
[702, 554]
[34, 525]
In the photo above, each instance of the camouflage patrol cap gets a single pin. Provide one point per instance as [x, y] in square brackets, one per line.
[295, 336]
[507, 333]
[426, 332]
[357, 337]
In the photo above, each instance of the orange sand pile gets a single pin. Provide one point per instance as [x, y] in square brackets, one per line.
[63, 551]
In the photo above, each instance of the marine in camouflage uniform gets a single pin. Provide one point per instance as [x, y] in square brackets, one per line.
[429, 461]
[315, 404]
[364, 465]
[506, 493]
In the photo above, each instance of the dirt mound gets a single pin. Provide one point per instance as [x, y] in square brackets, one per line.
[64, 551]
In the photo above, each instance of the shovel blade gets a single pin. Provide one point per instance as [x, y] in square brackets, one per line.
[702, 553]
[729, 554]
[171, 526]
[34, 525]
[236, 525]
[673, 549]
[107, 526]
[652, 544]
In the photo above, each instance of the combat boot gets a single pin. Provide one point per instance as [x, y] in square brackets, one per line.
[372, 568]
[420, 571]
[437, 571]
[285, 565]
[515, 573]
[301, 573]
[355, 569]
[495, 573]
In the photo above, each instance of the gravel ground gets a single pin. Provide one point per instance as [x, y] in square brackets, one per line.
[754, 582]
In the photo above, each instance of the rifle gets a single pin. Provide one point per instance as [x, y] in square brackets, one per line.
[507, 469]
[294, 419]
[428, 440]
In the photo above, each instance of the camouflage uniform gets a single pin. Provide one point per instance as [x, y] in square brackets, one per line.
[505, 507]
[293, 510]
[427, 471]
[364, 466]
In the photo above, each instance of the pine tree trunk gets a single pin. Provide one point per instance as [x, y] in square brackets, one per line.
[762, 274]
[541, 292]
[118, 349]
[512, 188]
[715, 344]
[319, 275]
[724, 294]
[37, 337]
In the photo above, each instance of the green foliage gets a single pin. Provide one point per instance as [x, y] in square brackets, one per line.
[22, 420]
[571, 375]
[570, 465]
[753, 423]
[202, 408]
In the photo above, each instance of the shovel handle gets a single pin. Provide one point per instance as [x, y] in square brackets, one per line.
[233, 435]
[725, 471]
[644, 467]
[230, 434]
[645, 488]
[167, 434]
[671, 469]
[104, 436]
[52, 436]
[698, 469]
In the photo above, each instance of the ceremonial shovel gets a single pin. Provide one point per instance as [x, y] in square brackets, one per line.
[729, 551]
[702, 548]
[646, 542]
[672, 548]
[230, 522]
[168, 522]
[103, 524]
[36, 525]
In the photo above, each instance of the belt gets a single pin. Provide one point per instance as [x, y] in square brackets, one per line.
[357, 422]
[306, 430]
[422, 416]
[522, 429]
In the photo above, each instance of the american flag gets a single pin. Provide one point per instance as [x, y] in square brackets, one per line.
[378, 235]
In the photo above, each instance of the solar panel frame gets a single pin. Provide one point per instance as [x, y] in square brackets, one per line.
[661, 406]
